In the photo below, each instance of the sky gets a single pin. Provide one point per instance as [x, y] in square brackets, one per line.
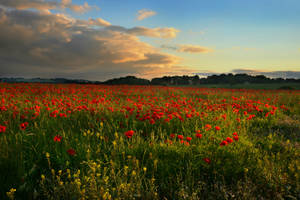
[103, 39]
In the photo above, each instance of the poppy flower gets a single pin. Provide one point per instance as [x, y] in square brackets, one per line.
[180, 137]
[234, 134]
[223, 143]
[129, 133]
[207, 160]
[188, 115]
[172, 135]
[24, 125]
[57, 138]
[229, 140]
[71, 152]
[198, 135]
[236, 138]
[207, 127]
[2, 129]
[188, 139]
[217, 128]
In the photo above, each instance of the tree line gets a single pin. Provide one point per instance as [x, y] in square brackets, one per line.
[231, 79]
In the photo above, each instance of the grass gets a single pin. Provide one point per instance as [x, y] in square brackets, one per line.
[142, 142]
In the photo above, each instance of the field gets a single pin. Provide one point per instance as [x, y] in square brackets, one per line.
[148, 142]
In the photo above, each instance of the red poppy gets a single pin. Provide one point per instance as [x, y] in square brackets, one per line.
[188, 115]
[198, 135]
[207, 160]
[180, 137]
[236, 138]
[24, 125]
[71, 152]
[2, 129]
[57, 138]
[172, 135]
[234, 134]
[188, 139]
[129, 133]
[207, 127]
[223, 143]
[217, 128]
[229, 140]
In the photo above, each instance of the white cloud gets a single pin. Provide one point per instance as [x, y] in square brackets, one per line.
[188, 48]
[144, 13]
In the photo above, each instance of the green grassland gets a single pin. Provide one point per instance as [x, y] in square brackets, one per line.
[148, 142]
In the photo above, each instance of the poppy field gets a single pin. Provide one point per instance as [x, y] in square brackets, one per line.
[73, 141]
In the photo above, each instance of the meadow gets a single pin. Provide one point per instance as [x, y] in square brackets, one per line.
[148, 142]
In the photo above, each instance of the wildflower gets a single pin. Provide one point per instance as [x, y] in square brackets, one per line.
[236, 138]
[207, 160]
[24, 125]
[2, 129]
[57, 138]
[188, 115]
[234, 134]
[217, 128]
[188, 139]
[47, 155]
[180, 137]
[11, 193]
[223, 143]
[172, 135]
[198, 135]
[71, 152]
[129, 133]
[207, 127]
[229, 140]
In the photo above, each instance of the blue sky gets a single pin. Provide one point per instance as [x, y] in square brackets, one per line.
[182, 36]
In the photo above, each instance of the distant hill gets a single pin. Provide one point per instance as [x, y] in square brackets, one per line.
[231, 79]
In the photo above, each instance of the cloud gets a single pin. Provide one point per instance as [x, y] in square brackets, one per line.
[167, 32]
[43, 5]
[170, 47]
[188, 48]
[42, 44]
[194, 49]
[92, 22]
[144, 13]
